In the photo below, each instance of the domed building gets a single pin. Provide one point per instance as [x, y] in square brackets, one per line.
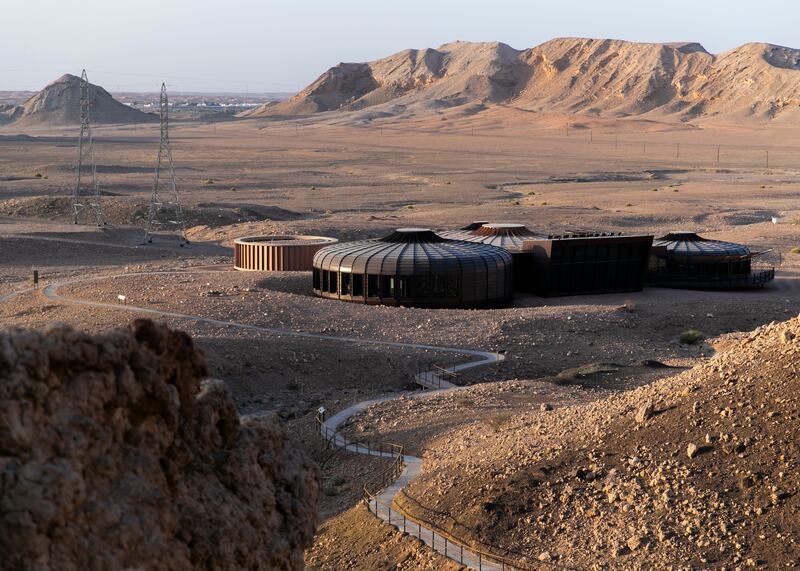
[507, 236]
[414, 267]
[687, 260]
[510, 237]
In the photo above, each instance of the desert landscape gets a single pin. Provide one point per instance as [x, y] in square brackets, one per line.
[649, 429]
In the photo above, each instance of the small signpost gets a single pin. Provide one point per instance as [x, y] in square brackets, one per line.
[321, 411]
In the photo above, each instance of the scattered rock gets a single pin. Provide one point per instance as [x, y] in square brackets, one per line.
[645, 412]
[634, 542]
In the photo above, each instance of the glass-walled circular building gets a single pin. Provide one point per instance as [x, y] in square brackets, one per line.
[415, 267]
[686, 260]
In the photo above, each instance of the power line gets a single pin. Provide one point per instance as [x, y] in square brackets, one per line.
[86, 197]
[166, 213]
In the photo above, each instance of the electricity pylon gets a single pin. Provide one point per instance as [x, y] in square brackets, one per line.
[166, 212]
[86, 196]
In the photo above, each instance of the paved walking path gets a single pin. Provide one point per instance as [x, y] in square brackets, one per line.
[381, 506]
[431, 379]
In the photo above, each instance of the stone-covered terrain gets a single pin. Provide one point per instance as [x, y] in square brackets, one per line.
[697, 470]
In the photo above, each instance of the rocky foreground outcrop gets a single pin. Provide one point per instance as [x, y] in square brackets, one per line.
[114, 454]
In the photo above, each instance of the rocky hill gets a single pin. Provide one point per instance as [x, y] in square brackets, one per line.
[615, 78]
[115, 455]
[696, 471]
[59, 104]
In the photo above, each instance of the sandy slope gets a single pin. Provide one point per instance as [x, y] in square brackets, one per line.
[59, 104]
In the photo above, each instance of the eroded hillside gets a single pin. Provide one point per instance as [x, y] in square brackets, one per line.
[615, 78]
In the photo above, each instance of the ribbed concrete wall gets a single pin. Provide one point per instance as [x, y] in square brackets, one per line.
[277, 253]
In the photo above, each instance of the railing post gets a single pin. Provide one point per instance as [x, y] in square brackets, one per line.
[445, 546]
[404, 523]
[480, 562]
[433, 539]
[461, 556]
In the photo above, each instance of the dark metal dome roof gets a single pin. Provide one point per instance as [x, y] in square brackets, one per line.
[507, 236]
[474, 225]
[408, 252]
[690, 244]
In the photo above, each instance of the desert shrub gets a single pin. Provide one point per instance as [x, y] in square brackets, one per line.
[209, 181]
[795, 250]
[629, 204]
[38, 175]
[655, 190]
[293, 385]
[233, 189]
[691, 337]
[499, 420]
[531, 193]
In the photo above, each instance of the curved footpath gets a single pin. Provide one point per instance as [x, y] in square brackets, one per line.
[432, 380]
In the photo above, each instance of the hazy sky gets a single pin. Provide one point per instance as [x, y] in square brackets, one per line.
[264, 45]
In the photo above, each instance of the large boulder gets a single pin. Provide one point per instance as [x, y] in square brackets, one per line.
[115, 454]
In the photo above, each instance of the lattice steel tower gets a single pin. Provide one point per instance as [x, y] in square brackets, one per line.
[165, 212]
[86, 197]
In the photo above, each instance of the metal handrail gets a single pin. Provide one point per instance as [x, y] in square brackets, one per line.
[386, 477]
[380, 449]
[484, 556]
[434, 379]
[755, 277]
[506, 562]
[447, 372]
[381, 480]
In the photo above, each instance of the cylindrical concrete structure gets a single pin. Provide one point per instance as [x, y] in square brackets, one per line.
[277, 253]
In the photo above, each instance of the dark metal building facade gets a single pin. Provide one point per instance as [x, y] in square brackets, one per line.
[686, 260]
[575, 264]
[414, 267]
